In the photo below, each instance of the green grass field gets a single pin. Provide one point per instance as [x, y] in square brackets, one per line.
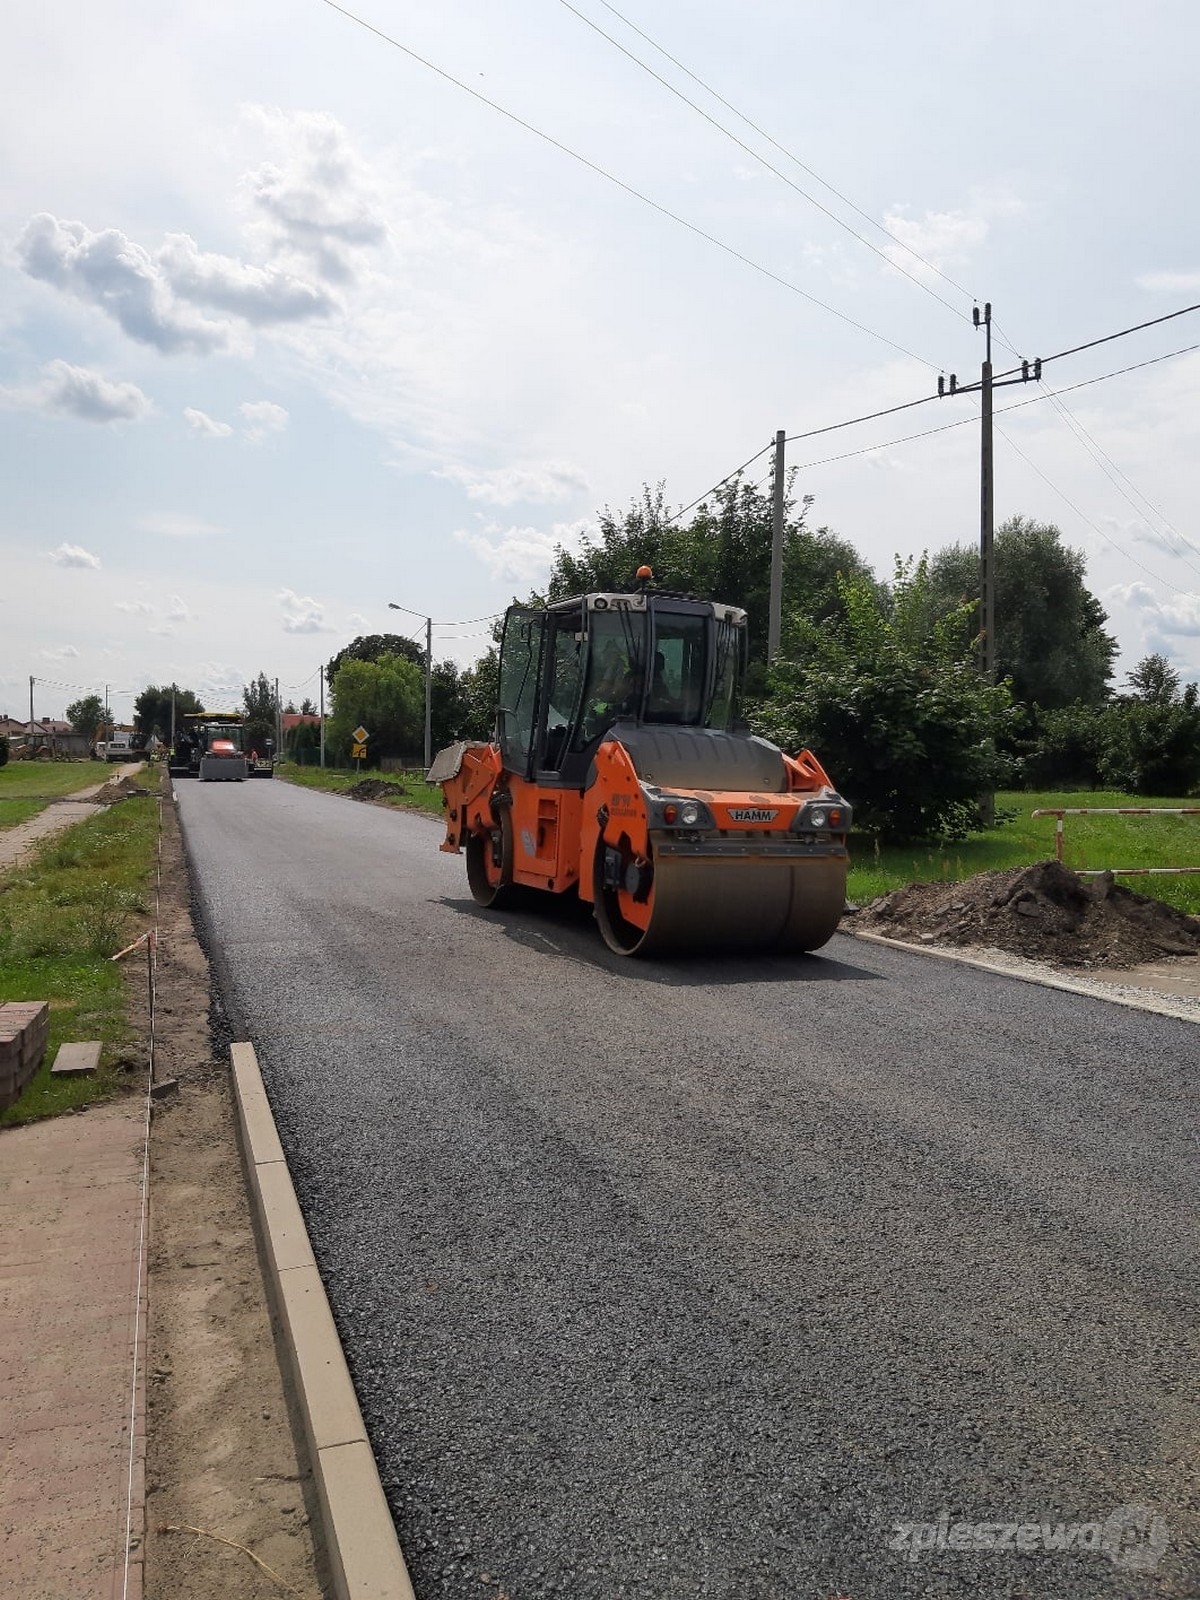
[412, 792]
[1089, 842]
[26, 787]
[79, 901]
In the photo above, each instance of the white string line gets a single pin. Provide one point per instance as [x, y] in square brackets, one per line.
[142, 1219]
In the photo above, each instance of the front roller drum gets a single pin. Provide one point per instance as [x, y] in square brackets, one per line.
[490, 861]
[688, 904]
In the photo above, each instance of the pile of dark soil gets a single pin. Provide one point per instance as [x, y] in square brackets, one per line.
[375, 789]
[1044, 912]
[116, 789]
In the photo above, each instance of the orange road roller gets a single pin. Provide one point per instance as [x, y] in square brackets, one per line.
[620, 770]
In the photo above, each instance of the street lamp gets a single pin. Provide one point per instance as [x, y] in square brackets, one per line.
[428, 621]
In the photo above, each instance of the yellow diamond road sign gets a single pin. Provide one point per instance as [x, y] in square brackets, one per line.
[360, 736]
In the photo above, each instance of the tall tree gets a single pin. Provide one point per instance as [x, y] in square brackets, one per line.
[388, 698]
[723, 552]
[152, 710]
[373, 647]
[86, 715]
[258, 707]
[479, 686]
[1050, 634]
[1153, 680]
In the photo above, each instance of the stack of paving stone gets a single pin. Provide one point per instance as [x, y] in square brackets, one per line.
[24, 1025]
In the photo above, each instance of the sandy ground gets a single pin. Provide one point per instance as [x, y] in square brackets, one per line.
[221, 1456]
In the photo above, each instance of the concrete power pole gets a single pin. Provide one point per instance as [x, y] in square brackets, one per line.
[775, 613]
[987, 529]
[428, 693]
[321, 679]
[987, 533]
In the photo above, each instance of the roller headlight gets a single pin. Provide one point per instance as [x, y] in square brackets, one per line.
[689, 814]
[817, 818]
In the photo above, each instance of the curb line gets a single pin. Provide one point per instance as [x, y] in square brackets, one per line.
[360, 1536]
[1157, 1006]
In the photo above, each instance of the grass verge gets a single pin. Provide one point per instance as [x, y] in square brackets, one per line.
[1090, 842]
[412, 792]
[27, 787]
[79, 901]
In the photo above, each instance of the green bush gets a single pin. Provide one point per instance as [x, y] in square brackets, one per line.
[895, 711]
[3, 749]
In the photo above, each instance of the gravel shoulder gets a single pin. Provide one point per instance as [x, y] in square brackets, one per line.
[221, 1460]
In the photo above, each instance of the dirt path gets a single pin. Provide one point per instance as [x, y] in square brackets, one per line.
[60, 813]
[221, 1456]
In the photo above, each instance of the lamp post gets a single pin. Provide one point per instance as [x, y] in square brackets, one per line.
[392, 606]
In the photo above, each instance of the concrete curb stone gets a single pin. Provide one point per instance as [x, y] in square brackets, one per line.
[360, 1538]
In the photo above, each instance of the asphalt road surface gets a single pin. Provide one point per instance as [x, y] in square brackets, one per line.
[854, 1275]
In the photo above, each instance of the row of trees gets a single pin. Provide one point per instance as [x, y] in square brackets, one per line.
[881, 679]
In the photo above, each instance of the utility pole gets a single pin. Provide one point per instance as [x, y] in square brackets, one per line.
[775, 612]
[278, 722]
[987, 532]
[173, 691]
[428, 621]
[31, 681]
[321, 678]
[1028, 371]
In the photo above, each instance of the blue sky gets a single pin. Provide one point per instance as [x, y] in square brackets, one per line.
[291, 326]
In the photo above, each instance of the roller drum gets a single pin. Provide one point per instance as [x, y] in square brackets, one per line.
[737, 904]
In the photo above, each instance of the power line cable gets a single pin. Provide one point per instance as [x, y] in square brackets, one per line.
[1095, 527]
[757, 156]
[720, 483]
[1108, 338]
[1114, 474]
[783, 150]
[620, 183]
[963, 422]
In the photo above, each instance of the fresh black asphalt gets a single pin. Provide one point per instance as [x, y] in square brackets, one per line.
[705, 1278]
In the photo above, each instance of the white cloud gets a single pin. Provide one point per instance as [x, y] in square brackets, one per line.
[153, 297]
[317, 201]
[73, 555]
[356, 620]
[1170, 282]
[134, 608]
[261, 418]
[945, 238]
[302, 614]
[65, 652]
[220, 685]
[208, 427]
[535, 485]
[177, 525]
[79, 392]
[1167, 618]
[521, 556]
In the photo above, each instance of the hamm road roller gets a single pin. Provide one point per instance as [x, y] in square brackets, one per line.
[620, 770]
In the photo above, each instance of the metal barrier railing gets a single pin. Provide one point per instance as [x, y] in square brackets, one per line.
[1115, 811]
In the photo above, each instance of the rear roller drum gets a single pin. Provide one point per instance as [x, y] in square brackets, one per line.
[490, 862]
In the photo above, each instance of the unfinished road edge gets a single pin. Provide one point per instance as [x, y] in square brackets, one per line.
[364, 1553]
[1155, 1003]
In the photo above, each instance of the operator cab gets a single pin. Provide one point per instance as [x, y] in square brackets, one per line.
[570, 671]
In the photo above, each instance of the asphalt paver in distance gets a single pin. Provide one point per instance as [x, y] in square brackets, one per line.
[705, 1279]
